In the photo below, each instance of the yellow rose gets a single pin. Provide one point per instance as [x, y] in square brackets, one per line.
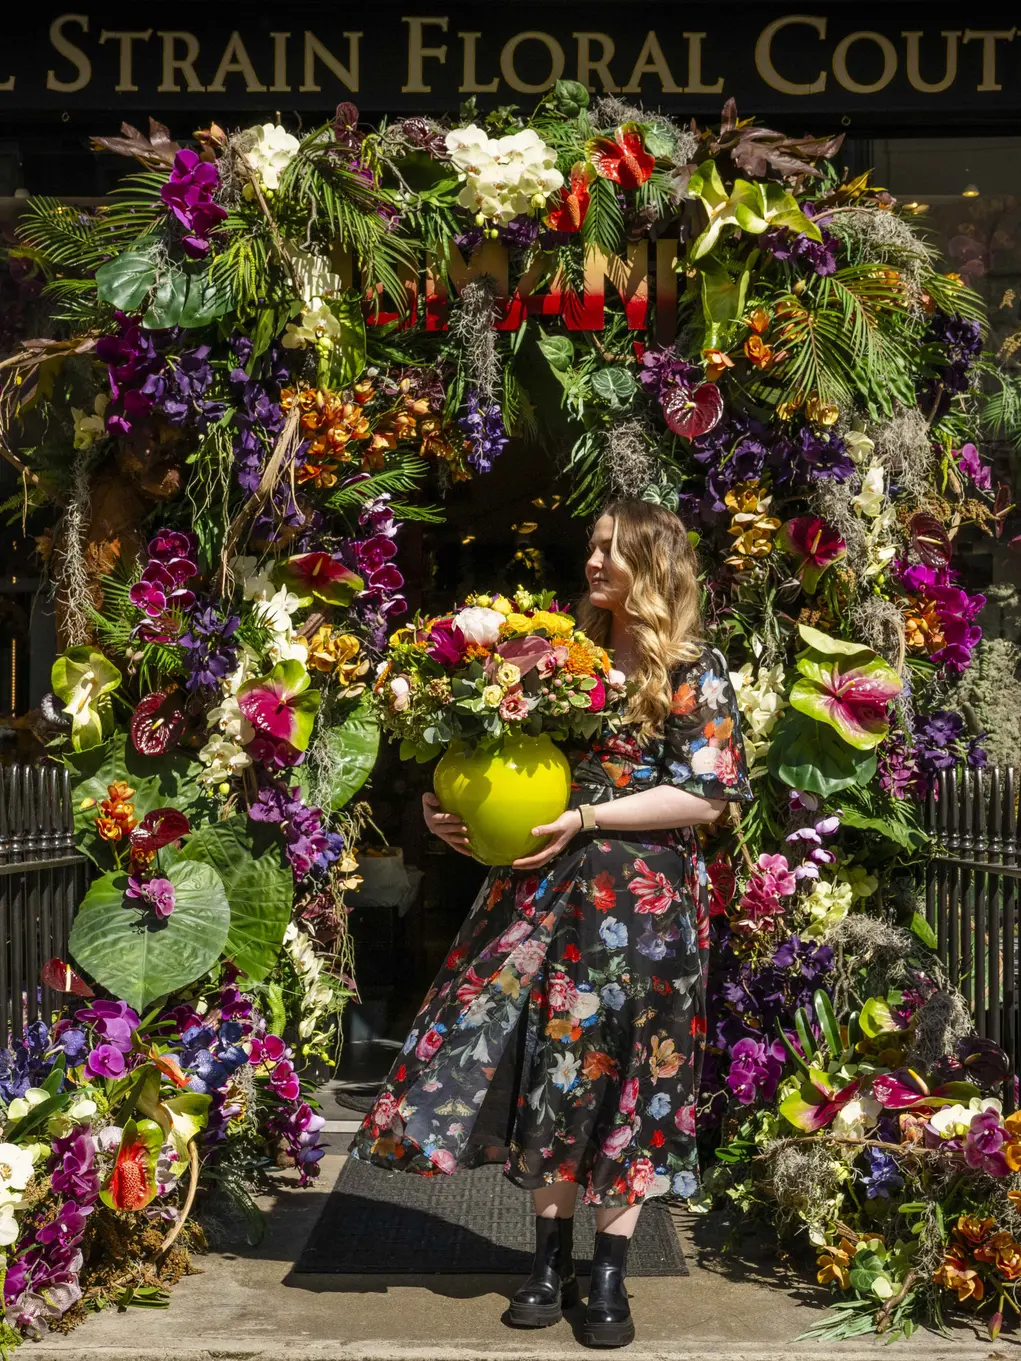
[485, 602]
[502, 604]
[508, 674]
[517, 623]
[492, 696]
[560, 625]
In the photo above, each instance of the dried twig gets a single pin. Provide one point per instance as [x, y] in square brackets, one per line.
[185, 1210]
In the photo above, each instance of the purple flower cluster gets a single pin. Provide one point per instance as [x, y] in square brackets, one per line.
[810, 839]
[210, 653]
[114, 1024]
[755, 1069]
[956, 611]
[983, 1144]
[180, 390]
[372, 557]
[958, 342]
[28, 1064]
[519, 233]
[485, 430]
[970, 463]
[133, 364]
[940, 744]
[898, 767]
[309, 845]
[809, 455]
[298, 1126]
[818, 256]
[189, 195]
[883, 1177]
[662, 369]
[162, 588]
[258, 417]
[41, 1284]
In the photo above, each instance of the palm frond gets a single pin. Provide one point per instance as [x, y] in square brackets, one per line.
[63, 235]
[604, 221]
[404, 478]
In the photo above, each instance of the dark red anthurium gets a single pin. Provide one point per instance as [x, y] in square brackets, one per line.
[571, 204]
[62, 978]
[622, 159]
[157, 723]
[158, 829]
[692, 411]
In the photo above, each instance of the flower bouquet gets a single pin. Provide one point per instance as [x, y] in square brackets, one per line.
[494, 685]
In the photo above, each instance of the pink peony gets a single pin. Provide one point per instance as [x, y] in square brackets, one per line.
[617, 1140]
[526, 958]
[444, 1160]
[597, 697]
[641, 1176]
[513, 707]
[429, 1044]
[685, 1119]
[629, 1095]
[515, 933]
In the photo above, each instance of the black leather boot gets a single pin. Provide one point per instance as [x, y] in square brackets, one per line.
[552, 1286]
[607, 1321]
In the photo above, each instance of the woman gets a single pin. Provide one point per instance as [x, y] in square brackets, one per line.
[567, 1022]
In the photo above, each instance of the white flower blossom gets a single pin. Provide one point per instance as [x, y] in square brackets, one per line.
[88, 427]
[317, 323]
[503, 176]
[858, 445]
[15, 1167]
[479, 625]
[759, 695]
[224, 759]
[872, 495]
[229, 719]
[271, 153]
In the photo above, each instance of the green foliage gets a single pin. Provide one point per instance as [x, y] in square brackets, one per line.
[350, 750]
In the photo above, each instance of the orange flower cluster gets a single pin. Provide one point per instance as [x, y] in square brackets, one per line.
[977, 1240]
[116, 814]
[585, 659]
[759, 353]
[923, 631]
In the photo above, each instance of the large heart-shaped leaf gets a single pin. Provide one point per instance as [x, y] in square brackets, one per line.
[185, 298]
[125, 281]
[352, 747]
[259, 888]
[139, 957]
[809, 755]
[158, 782]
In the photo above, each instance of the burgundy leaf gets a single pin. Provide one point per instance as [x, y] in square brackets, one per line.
[692, 411]
[157, 723]
[930, 540]
[158, 829]
[62, 978]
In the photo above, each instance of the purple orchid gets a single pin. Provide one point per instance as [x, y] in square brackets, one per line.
[969, 461]
[114, 1021]
[156, 893]
[105, 1061]
[188, 195]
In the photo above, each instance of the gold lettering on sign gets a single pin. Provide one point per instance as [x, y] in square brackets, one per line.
[172, 63]
[490, 258]
[126, 77]
[74, 55]
[8, 84]
[989, 37]
[696, 86]
[601, 64]
[470, 79]
[510, 51]
[315, 51]
[236, 61]
[914, 67]
[764, 56]
[415, 84]
[844, 76]
[651, 61]
[280, 85]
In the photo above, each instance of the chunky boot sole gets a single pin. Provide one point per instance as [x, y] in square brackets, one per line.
[608, 1334]
[544, 1315]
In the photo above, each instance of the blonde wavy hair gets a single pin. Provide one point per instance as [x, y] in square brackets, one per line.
[652, 547]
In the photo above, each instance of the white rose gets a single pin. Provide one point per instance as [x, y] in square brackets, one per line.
[616, 677]
[584, 1005]
[400, 688]
[705, 760]
[479, 625]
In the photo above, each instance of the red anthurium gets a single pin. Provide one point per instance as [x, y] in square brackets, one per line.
[571, 203]
[692, 411]
[158, 829]
[321, 575]
[62, 978]
[623, 160]
[157, 723]
[132, 1183]
[930, 540]
[814, 543]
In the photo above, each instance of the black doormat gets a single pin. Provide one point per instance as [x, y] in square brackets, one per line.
[399, 1224]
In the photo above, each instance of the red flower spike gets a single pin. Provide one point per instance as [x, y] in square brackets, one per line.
[572, 202]
[61, 977]
[624, 160]
[692, 411]
[157, 723]
[159, 828]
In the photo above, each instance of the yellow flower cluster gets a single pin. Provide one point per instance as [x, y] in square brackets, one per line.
[751, 524]
[331, 650]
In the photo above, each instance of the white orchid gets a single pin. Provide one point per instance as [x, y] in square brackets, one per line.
[859, 446]
[503, 176]
[479, 625]
[313, 274]
[230, 721]
[827, 904]
[317, 324]
[271, 151]
[872, 495]
[857, 1116]
[16, 1165]
[223, 760]
[88, 427]
[759, 695]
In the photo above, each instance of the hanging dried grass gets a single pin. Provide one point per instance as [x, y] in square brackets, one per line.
[801, 1177]
[471, 329]
[74, 596]
[629, 459]
[904, 449]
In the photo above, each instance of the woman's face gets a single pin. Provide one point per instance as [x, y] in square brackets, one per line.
[607, 580]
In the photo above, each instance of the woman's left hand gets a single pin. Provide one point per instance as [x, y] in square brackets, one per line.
[567, 826]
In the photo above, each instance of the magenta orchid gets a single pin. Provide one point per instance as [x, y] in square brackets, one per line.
[188, 195]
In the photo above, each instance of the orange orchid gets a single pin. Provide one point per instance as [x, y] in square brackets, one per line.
[716, 363]
[955, 1274]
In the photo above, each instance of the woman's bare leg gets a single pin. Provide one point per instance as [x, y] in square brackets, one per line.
[556, 1202]
[622, 1220]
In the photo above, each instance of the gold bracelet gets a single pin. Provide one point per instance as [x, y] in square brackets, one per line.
[588, 817]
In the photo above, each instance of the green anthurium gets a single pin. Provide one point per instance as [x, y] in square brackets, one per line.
[877, 1018]
[753, 207]
[179, 1117]
[281, 703]
[847, 686]
[82, 677]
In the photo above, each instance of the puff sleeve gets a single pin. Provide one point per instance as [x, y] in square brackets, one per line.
[703, 752]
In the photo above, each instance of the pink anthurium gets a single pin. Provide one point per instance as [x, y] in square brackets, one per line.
[845, 685]
[622, 159]
[321, 575]
[691, 411]
[817, 1101]
[281, 704]
[815, 544]
[904, 1088]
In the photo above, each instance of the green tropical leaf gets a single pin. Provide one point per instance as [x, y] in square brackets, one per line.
[139, 958]
[809, 755]
[345, 359]
[259, 888]
[126, 280]
[351, 750]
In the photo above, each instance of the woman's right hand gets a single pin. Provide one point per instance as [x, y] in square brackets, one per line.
[447, 826]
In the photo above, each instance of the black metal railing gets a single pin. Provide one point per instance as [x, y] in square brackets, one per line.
[43, 878]
[972, 887]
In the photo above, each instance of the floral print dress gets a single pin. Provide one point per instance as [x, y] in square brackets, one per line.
[565, 1031]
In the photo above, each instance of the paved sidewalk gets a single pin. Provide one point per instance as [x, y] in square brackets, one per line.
[249, 1305]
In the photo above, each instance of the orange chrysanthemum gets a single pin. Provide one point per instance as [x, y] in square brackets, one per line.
[581, 660]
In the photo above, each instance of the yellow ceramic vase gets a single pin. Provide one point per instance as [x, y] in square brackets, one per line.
[501, 794]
